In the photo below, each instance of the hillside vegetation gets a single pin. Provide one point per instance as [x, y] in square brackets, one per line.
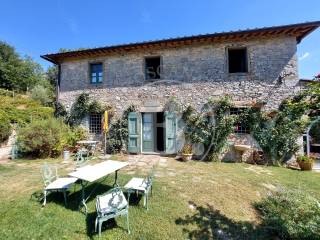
[22, 109]
[19, 109]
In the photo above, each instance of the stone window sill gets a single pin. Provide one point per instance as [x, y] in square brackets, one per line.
[239, 74]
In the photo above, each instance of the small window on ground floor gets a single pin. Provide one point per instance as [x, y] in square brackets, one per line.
[95, 123]
[238, 126]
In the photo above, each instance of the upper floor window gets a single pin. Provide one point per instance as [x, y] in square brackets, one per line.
[239, 127]
[95, 123]
[96, 72]
[238, 60]
[152, 68]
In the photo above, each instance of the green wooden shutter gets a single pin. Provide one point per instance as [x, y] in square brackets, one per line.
[170, 122]
[133, 130]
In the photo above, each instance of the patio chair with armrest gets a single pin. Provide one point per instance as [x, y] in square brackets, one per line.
[141, 185]
[111, 205]
[52, 182]
[81, 157]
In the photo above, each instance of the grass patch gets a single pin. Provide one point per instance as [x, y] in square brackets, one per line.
[193, 200]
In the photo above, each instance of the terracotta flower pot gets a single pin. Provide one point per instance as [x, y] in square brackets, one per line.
[305, 166]
[186, 157]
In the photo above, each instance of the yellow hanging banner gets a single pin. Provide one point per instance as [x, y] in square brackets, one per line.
[105, 122]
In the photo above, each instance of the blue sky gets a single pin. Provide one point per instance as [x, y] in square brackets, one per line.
[37, 27]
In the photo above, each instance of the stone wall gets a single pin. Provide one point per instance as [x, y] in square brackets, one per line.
[192, 74]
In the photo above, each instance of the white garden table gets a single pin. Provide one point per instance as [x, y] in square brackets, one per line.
[92, 173]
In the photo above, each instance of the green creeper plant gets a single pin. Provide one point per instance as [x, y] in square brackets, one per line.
[211, 126]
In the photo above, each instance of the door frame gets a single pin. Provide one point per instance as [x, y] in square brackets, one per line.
[154, 132]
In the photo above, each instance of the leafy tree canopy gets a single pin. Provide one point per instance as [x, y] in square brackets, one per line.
[16, 72]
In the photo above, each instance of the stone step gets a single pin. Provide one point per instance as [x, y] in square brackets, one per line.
[316, 165]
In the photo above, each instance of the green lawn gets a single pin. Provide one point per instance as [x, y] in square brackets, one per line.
[194, 200]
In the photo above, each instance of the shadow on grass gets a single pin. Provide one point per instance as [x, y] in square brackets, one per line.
[73, 196]
[74, 199]
[109, 224]
[134, 199]
[212, 224]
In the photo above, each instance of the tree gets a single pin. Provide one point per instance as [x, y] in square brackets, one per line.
[9, 65]
[16, 73]
[52, 75]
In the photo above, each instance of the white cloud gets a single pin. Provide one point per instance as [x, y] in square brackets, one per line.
[304, 56]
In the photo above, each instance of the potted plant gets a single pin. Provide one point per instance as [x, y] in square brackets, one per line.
[186, 152]
[305, 162]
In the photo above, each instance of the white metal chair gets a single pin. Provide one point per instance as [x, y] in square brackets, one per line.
[111, 205]
[52, 183]
[81, 157]
[141, 185]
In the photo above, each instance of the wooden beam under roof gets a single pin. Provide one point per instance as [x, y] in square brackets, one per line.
[298, 30]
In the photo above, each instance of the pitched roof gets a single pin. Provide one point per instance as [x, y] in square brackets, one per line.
[299, 31]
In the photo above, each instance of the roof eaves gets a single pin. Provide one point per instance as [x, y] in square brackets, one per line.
[310, 27]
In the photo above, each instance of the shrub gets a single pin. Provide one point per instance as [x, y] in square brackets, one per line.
[43, 138]
[21, 109]
[60, 111]
[5, 127]
[5, 92]
[187, 149]
[304, 158]
[42, 94]
[291, 215]
[76, 134]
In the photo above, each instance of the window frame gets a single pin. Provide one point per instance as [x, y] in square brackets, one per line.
[97, 77]
[146, 77]
[95, 129]
[239, 127]
[247, 60]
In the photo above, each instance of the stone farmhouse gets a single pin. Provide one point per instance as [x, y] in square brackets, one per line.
[255, 66]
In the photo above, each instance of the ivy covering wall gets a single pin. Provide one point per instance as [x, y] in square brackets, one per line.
[275, 132]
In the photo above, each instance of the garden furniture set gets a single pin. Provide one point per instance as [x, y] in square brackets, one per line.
[109, 205]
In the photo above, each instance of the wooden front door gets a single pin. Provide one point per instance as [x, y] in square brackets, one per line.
[147, 132]
[170, 121]
[133, 132]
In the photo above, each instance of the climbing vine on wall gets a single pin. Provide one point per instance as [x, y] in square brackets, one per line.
[210, 127]
[117, 136]
[82, 107]
[277, 133]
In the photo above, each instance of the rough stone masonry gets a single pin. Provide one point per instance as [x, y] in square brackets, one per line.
[191, 74]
